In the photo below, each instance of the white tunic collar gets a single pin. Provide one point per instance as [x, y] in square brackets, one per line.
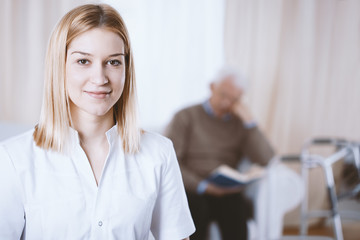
[112, 136]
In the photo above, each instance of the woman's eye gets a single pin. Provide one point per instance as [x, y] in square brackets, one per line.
[114, 62]
[83, 61]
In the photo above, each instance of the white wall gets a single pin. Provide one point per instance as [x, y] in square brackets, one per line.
[178, 48]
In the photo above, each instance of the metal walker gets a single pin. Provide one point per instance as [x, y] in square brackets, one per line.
[342, 150]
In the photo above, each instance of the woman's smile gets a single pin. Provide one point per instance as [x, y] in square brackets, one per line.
[99, 94]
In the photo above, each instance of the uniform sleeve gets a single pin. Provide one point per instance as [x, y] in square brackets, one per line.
[171, 217]
[177, 131]
[12, 219]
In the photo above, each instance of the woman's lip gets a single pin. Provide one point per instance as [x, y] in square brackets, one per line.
[98, 94]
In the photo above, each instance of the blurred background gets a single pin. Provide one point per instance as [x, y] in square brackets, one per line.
[301, 58]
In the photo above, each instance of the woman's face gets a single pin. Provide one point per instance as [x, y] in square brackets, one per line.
[95, 72]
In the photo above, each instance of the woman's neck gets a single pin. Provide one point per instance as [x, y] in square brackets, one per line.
[93, 139]
[91, 128]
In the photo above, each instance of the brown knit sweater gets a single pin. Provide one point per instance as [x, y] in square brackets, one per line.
[203, 142]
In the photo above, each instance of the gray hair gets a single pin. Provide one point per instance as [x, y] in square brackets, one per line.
[237, 76]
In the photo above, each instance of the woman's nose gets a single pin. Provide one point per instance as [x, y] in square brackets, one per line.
[99, 75]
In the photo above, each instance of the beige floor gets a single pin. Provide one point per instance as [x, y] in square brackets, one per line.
[351, 231]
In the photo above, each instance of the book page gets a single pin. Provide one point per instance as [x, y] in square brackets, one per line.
[254, 172]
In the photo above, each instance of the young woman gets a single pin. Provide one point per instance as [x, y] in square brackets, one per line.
[87, 171]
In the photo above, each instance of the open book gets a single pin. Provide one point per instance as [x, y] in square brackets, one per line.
[225, 176]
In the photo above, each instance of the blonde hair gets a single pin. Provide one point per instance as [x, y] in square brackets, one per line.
[55, 119]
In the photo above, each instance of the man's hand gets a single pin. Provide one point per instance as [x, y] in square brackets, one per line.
[214, 190]
[242, 111]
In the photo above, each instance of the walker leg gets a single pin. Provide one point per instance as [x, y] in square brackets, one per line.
[333, 202]
[304, 203]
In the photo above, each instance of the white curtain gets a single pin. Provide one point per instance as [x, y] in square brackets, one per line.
[178, 47]
[303, 61]
[25, 28]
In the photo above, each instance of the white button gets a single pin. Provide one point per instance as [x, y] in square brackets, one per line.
[100, 223]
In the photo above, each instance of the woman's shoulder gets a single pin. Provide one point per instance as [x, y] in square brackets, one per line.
[154, 139]
[155, 149]
[21, 138]
[155, 144]
[19, 144]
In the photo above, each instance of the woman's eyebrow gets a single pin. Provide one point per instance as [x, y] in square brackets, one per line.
[117, 54]
[89, 54]
[82, 53]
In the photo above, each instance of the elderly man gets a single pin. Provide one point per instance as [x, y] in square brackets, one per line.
[219, 131]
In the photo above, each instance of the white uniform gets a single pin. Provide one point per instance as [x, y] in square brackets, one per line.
[48, 195]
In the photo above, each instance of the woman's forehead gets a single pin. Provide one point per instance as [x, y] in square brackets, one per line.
[97, 39]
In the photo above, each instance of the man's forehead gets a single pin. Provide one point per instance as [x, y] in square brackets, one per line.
[229, 82]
